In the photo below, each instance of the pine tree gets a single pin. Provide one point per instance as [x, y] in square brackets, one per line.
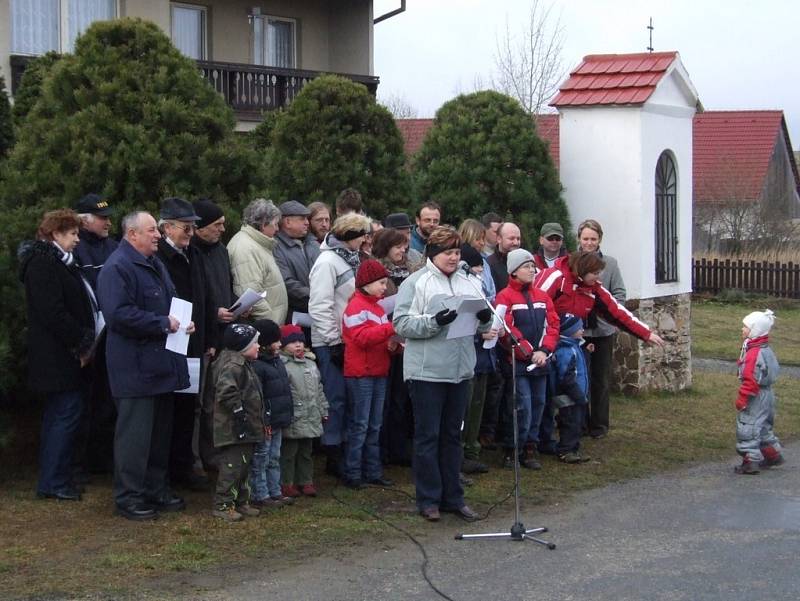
[30, 85]
[483, 154]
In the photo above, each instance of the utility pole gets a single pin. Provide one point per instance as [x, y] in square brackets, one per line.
[650, 27]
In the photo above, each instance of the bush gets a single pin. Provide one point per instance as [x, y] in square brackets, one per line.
[333, 136]
[483, 154]
[128, 116]
[30, 86]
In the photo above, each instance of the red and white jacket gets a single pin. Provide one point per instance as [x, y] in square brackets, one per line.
[571, 295]
[535, 326]
[748, 374]
[366, 331]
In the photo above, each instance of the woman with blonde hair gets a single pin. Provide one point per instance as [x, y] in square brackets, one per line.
[473, 232]
[332, 284]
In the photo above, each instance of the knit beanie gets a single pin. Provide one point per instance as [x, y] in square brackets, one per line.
[759, 322]
[370, 271]
[471, 256]
[291, 333]
[238, 336]
[516, 258]
[268, 331]
[208, 211]
[570, 324]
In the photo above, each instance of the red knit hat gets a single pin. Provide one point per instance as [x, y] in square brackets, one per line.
[291, 333]
[370, 271]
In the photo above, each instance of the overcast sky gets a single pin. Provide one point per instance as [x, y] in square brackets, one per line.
[740, 54]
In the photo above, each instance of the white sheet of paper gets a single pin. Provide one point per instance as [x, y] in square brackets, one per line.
[466, 324]
[245, 302]
[178, 342]
[194, 376]
[388, 303]
[301, 319]
[99, 325]
[497, 324]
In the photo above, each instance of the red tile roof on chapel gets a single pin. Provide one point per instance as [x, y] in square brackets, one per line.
[732, 152]
[614, 79]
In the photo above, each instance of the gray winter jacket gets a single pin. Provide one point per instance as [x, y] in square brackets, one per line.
[310, 404]
[295, 259]
[332, 284]
[612, 281]
[429, 355]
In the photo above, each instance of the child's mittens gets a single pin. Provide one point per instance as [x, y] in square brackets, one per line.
[741, 402]
[240, 423]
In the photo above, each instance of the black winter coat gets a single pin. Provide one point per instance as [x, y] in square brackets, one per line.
[276, 388]
[217, 269]
[190, 285]
[60, 319]
[92, 253]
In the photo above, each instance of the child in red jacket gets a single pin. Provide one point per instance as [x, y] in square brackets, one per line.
[366, 332]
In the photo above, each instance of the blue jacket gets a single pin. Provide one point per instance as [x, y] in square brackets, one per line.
[416, 241]
[135, 293]
[92, 253]
[570, 376]
[276, 389]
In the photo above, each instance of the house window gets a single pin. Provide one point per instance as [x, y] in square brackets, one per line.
[666, 219]
[274, 41]
[39, 26]
[188, 29]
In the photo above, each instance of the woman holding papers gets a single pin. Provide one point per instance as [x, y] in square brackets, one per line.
[438, 370]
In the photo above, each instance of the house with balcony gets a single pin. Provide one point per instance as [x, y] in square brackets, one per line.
[257, 53]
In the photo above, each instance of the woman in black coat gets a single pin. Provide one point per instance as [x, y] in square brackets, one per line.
[62, 314]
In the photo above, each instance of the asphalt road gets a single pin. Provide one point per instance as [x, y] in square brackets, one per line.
[697, 534]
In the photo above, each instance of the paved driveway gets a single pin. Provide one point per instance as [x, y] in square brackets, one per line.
[700, 533]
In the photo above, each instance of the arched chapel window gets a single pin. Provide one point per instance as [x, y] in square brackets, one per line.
[666, 219]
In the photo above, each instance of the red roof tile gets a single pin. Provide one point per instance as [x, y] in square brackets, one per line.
[614, 79]
[732, 152]
[415, 130]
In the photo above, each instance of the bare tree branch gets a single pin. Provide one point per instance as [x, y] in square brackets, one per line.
[399, 106]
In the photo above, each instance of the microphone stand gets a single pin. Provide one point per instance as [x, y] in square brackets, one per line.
[518, 531]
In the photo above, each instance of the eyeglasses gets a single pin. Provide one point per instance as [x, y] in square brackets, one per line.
[187, 228]
[554, 238]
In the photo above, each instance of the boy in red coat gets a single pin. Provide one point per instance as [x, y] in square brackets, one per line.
[366, 332]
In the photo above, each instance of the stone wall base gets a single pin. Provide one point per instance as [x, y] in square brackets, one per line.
[639, 367]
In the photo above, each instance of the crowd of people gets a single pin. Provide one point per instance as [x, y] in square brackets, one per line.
[359, 348]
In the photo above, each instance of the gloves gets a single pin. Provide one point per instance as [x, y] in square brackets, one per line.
[240, 423]
[337, 355]
[484, 315]
[445, 316]
[741, 403]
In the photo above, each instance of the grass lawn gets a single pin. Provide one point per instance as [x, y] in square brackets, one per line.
[47, 548]
[717, 328]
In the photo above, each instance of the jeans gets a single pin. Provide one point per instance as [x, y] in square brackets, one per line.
[362, 459]
[62, 414]
[265, 468]
[438, 412]
[141, 448]
[570, 424]
[531, 392]
[336, 393]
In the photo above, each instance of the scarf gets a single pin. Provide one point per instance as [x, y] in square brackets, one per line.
[397, 272]
[351, 257]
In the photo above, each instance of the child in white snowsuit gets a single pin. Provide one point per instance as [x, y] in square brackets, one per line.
[758, 370]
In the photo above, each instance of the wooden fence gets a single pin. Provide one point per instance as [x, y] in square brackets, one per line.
[773, 279]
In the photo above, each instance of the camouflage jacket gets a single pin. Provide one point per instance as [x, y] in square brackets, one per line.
[310, 404]
[234, 384]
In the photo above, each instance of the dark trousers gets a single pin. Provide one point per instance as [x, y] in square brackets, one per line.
[60, 420]
[335, 429]
[570, 425]
[472, 420]
[438, 412]
[297, 464]
[233, 488]
[599, 378]
[491, 406]
[397, 432]
[181, 455]
[141, 448]
[94, 441]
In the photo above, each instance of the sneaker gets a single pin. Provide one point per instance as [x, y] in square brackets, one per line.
[508, 460]
[772, 461]
[747, 467]
[248, 510]
[283, 500]
[380, 481]
[228, 514]
[464, 481]
[431, 514]
[308, 490]
[355, 484]
[473, 466]
[583, 458]
[530, 460]
[570, 458]
[290, 490]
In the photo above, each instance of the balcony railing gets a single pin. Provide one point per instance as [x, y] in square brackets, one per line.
[252, 90]
[249, 89]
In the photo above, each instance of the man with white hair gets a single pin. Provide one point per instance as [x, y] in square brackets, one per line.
[96, 245]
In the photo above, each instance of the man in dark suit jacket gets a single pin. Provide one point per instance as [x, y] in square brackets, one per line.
[135, 292]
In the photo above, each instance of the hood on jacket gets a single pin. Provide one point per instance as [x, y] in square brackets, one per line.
[332, 242]
[28, 249]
